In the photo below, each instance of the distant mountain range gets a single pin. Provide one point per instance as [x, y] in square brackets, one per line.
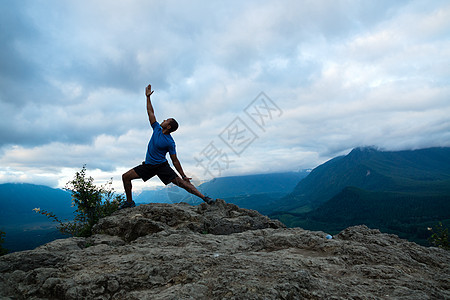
[258, 192]
[249, 191]
[420, 171]
[21, 198]
[401, 192]
[26, 229]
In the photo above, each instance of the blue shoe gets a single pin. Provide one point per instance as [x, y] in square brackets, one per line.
[127, 205]
[209, 200]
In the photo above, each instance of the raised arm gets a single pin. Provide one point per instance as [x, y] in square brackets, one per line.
[150, 111]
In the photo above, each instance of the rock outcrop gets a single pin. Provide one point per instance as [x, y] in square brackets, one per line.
[178, 251]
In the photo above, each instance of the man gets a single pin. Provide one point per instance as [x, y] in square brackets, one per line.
[156, 163]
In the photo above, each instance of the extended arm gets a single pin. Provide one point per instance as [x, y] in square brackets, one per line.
[150, 111]
[177, 165]
[185, 182]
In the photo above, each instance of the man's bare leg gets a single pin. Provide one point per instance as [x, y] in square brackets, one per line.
[126, 179]
[188, 187]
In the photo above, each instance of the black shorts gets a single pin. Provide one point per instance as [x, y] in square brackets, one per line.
[164, 172]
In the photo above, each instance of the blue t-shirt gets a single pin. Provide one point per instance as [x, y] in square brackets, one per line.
[158, 146]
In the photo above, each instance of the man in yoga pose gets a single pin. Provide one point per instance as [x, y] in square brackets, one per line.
[156, 163]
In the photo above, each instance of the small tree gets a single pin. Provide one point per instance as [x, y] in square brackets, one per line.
[3, 251]
[439, 237]
[91, 202]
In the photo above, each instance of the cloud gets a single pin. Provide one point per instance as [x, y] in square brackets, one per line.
[344, 73]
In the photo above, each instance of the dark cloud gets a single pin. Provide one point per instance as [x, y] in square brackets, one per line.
[19, 76]
[14, 30]
[345, 74]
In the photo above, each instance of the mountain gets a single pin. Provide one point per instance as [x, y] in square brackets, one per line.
[419, 172]
[21, 198]
[227, 187]
[221, 251]
[257, 192]
[247, 191]
[160, 195]
[400, 192]
[25, 229]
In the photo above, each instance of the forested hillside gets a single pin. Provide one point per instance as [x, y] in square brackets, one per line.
[402, 192]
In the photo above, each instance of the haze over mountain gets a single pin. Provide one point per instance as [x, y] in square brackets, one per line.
[242, 190]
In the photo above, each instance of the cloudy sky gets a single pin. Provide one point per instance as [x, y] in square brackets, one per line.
[257, 86]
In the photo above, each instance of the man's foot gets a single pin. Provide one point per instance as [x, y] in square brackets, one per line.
[127, 205]
[209, 200]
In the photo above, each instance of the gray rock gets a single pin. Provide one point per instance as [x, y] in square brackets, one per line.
[179, 251]
[220, 218]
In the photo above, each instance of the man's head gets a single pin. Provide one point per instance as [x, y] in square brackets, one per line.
[170, 124]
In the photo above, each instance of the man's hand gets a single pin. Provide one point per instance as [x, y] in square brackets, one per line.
[188, 179]
[148, 90]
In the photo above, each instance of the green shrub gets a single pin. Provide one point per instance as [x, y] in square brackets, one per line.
[91, 202]
[439, 237]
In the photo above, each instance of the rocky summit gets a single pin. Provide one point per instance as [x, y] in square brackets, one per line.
[179, 251]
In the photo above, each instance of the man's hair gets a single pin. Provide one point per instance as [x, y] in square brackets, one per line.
[173, 125]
